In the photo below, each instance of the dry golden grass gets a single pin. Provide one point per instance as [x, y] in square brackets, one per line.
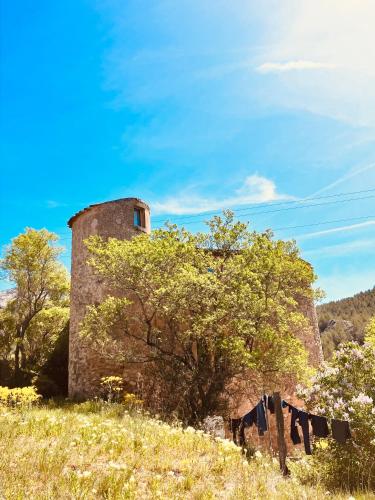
[99, 451]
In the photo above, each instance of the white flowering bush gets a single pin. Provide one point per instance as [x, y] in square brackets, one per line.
[345, 389]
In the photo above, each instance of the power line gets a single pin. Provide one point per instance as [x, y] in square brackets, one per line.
[351, 219]
[259, 205]
[290, 208]
[311, 205]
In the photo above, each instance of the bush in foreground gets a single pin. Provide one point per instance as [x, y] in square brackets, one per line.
[345, 389]
[19, 396]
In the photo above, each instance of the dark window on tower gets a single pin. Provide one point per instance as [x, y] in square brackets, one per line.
[138, 217]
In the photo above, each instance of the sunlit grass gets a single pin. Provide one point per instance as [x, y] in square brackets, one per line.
[95, 451]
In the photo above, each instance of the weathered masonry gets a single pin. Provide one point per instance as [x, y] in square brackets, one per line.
[120, 219]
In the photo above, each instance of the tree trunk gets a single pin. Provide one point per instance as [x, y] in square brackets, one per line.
[280, 433]
[17, 371]
[23, 356]
[19, 353]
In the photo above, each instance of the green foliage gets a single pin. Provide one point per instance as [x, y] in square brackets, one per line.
[19, 397]
[201, 309]
[351, 316]
[43, 333]
[52, 378]
[345, 389]
[31, 322]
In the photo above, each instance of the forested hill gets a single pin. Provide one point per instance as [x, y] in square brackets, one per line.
[345, 319]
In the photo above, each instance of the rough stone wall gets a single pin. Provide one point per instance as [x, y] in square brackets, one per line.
[311, 335]
[111, 219]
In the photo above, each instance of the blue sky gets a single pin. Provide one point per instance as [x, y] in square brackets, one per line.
[196, 106]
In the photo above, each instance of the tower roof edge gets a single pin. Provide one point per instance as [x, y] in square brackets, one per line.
[86, 209]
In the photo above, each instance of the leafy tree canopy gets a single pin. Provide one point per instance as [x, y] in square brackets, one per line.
[30, 323]
[201, 309]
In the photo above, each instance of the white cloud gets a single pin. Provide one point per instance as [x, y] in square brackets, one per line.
[274, 67]
[255, 189]
[294, 43]
[340, 229]
[334, 33]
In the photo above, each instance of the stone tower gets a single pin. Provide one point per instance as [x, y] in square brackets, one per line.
[120, 219]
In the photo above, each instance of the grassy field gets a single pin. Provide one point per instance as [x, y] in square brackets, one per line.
[89, 451]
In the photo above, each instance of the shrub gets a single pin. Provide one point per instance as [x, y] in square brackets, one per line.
[112, 387]
[131, 401]
[19, 396]
[45, 386]
[345, 389]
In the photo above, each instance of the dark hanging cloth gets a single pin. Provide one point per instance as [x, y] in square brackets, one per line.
[246, 421]
[319, 426]
[284, 404]
[303, 420]
[340, 430]
[294, 434]
[250, 418]
[270, 405]
[261, 418]
[241, 435]
[234, 425]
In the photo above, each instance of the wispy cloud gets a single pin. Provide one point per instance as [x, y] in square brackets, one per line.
[340, 229]
[280, 67]
[341, 249]
[255, 189]
[302, 41]
[323, 35]
[349, 175]
[54, 204]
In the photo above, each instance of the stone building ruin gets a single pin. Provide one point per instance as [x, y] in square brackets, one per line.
[121, 219]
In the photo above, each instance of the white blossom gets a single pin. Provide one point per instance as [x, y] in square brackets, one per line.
[363, 399]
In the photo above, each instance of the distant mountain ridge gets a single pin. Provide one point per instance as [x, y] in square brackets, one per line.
[345, 319]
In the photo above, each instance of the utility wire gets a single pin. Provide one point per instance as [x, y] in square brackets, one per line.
[272, 205]
[260, 205]
[290, 208]
[352, 219]
[269, 204]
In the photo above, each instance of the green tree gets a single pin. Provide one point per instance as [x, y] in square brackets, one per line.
[345, 320]
[201, 310]
[32, 320]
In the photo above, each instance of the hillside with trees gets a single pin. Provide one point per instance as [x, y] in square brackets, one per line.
[345, 319]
